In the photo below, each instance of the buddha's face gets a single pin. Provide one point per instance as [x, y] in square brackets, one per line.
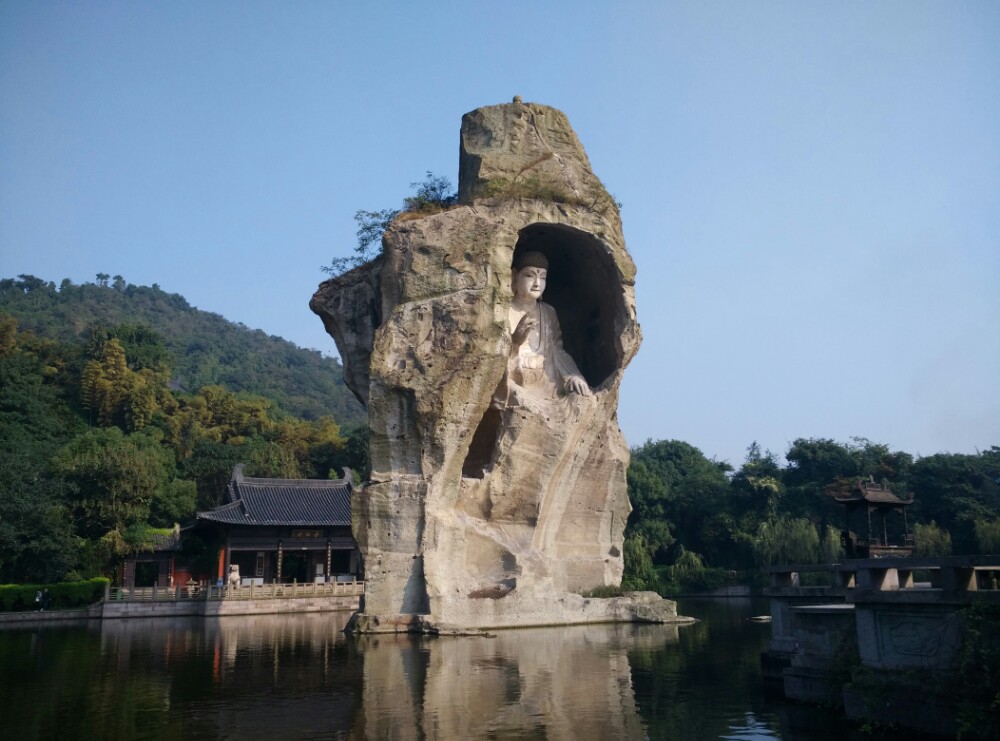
[529, 283]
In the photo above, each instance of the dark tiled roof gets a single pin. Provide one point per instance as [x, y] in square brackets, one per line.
[296, 502]
[867, 491]
[165, 541]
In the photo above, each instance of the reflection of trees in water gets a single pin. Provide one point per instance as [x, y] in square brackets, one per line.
[709, 684]
[253, 677]
[63, 684]
[682, 690]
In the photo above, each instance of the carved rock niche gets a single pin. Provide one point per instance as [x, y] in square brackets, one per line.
[492, 504]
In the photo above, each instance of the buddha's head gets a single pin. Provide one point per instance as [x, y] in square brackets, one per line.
[528, 276]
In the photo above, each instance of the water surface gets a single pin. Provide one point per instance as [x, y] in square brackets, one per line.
[300, 677]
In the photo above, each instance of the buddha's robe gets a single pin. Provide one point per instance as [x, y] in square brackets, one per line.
[541, 367]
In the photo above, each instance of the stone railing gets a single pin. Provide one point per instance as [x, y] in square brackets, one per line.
[951, 579]
[294, 590]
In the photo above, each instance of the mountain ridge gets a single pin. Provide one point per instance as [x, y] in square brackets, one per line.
[205, 347]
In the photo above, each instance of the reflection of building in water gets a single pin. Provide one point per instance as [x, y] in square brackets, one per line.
[252, 677]
[273, 530]
[570, 683]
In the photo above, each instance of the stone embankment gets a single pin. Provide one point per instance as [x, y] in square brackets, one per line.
[271, 599]
[50, 617]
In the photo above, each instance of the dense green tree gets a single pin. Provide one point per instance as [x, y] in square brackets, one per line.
[831, 548]
[315, 445]
[988, 536]
[174, 502]
[786, 540]
[639, 572]
[115, 477]
[957, 490]
[143, 346]
[649, 496]
[758, 485]
[29, 283]
[658, 538]
[107, 385]
[686, 566]
[673, 483]
[814, 465]
[210, 466]
[37, 539]
[931, 540]
[8, 333]
[354, 454]
[766, 513]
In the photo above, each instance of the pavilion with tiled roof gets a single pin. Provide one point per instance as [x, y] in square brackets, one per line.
[155, 563]
[877, 498]
[285, 529]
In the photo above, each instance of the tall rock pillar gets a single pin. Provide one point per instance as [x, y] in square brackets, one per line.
[497, 493]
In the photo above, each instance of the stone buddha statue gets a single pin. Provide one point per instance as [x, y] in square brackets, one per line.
[538, 365]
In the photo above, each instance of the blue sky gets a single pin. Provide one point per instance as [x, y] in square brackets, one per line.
[811, 190]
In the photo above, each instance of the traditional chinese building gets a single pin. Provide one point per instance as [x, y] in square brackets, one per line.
[285, 530]
[157, 565]
[869, 497]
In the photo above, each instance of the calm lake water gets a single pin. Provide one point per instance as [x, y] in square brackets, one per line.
[270, 677]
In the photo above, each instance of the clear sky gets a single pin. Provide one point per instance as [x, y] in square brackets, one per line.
[811, 190]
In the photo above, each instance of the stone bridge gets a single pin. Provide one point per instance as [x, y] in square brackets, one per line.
[898, 622]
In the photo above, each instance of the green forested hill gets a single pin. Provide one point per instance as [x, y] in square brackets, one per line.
[205, 348]
[123, 411]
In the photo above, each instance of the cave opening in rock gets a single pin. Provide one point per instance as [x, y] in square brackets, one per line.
[583, 286]
[480, 454]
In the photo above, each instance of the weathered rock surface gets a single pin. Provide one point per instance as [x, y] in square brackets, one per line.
[478, 516]
[351, 310]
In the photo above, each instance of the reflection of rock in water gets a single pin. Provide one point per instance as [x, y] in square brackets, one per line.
[563, 683]
[270, 676]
